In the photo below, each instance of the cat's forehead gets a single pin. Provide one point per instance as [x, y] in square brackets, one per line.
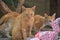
[49, 16]
[29, 10]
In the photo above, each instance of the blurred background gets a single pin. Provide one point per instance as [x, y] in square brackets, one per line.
[43, 6]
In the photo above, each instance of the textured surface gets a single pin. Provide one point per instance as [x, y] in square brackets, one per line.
[5, 39]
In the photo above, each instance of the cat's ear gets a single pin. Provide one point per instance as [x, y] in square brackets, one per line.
[23, 8]
[33, 8]
[54, 15]
[45, 15]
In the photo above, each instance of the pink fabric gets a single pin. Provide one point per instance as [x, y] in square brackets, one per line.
[49, 35]
[55, 25]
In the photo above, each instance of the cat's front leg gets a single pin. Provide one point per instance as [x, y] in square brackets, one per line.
[8, 35]
[7, 31]
[30, 34]
[24, 34]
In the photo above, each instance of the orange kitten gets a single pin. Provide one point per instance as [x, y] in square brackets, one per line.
[40, 21]
[23, 24]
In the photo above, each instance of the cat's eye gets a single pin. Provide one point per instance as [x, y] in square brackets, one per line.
[50, 21]
[31, 14]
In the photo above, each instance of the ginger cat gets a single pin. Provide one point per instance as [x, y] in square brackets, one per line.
[23, 24]
[7, 16]
[7, 21]
[41, 21]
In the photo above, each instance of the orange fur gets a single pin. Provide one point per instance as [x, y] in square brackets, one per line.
[23, 24]
[6, 26]
[38, 22]
[41, 21]
[7, 16]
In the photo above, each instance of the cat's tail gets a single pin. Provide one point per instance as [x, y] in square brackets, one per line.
[3, 19]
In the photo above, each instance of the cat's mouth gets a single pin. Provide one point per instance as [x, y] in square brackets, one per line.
[29, 17]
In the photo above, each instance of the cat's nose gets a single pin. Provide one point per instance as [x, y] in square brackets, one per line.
[28, 16]
[50, 21]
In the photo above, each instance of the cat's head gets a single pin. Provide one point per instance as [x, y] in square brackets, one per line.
[49, 19]
[28, 11]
